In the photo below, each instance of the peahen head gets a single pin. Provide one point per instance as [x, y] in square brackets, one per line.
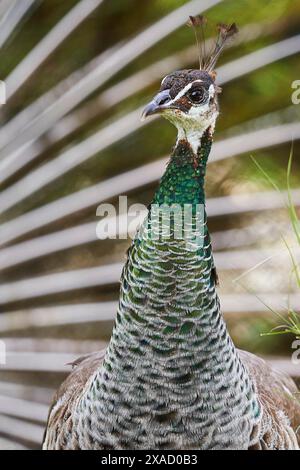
[189, 98]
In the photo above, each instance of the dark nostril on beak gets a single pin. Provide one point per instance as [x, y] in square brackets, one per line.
[156, 104]
[163, 100]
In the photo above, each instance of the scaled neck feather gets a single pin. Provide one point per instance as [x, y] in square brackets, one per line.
[171, 376]
[184, 178]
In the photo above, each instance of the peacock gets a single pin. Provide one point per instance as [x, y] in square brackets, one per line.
[171, 377]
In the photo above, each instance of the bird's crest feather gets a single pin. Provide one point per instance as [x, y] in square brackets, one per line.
[208, 62]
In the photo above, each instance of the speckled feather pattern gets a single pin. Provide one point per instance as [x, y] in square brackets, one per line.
[179, 79]
[171, 377]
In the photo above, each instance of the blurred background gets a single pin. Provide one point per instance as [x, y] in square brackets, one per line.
[77, 75]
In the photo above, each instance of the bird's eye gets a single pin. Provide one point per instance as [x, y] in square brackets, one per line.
[196, 96]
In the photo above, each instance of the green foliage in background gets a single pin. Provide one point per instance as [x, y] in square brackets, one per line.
[291, 322]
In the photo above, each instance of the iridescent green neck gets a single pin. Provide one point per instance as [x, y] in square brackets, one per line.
[171, 377]
[183, 181]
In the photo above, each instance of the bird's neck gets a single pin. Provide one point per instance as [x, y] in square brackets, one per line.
[171, 375]
[183, 181]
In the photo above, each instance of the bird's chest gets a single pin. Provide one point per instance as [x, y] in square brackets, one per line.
[167, 400]
[161, 417]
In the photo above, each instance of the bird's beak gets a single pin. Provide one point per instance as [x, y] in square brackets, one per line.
[158, 104]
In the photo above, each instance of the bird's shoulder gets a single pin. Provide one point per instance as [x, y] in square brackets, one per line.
[280, 401]
[60, 418]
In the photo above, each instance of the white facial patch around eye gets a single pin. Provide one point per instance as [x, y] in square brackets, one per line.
[198, 110]
[162, 82]
[184, 90]
[211, 91]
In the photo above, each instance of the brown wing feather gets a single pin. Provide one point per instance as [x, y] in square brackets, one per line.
[59, 424]
[279, 397]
